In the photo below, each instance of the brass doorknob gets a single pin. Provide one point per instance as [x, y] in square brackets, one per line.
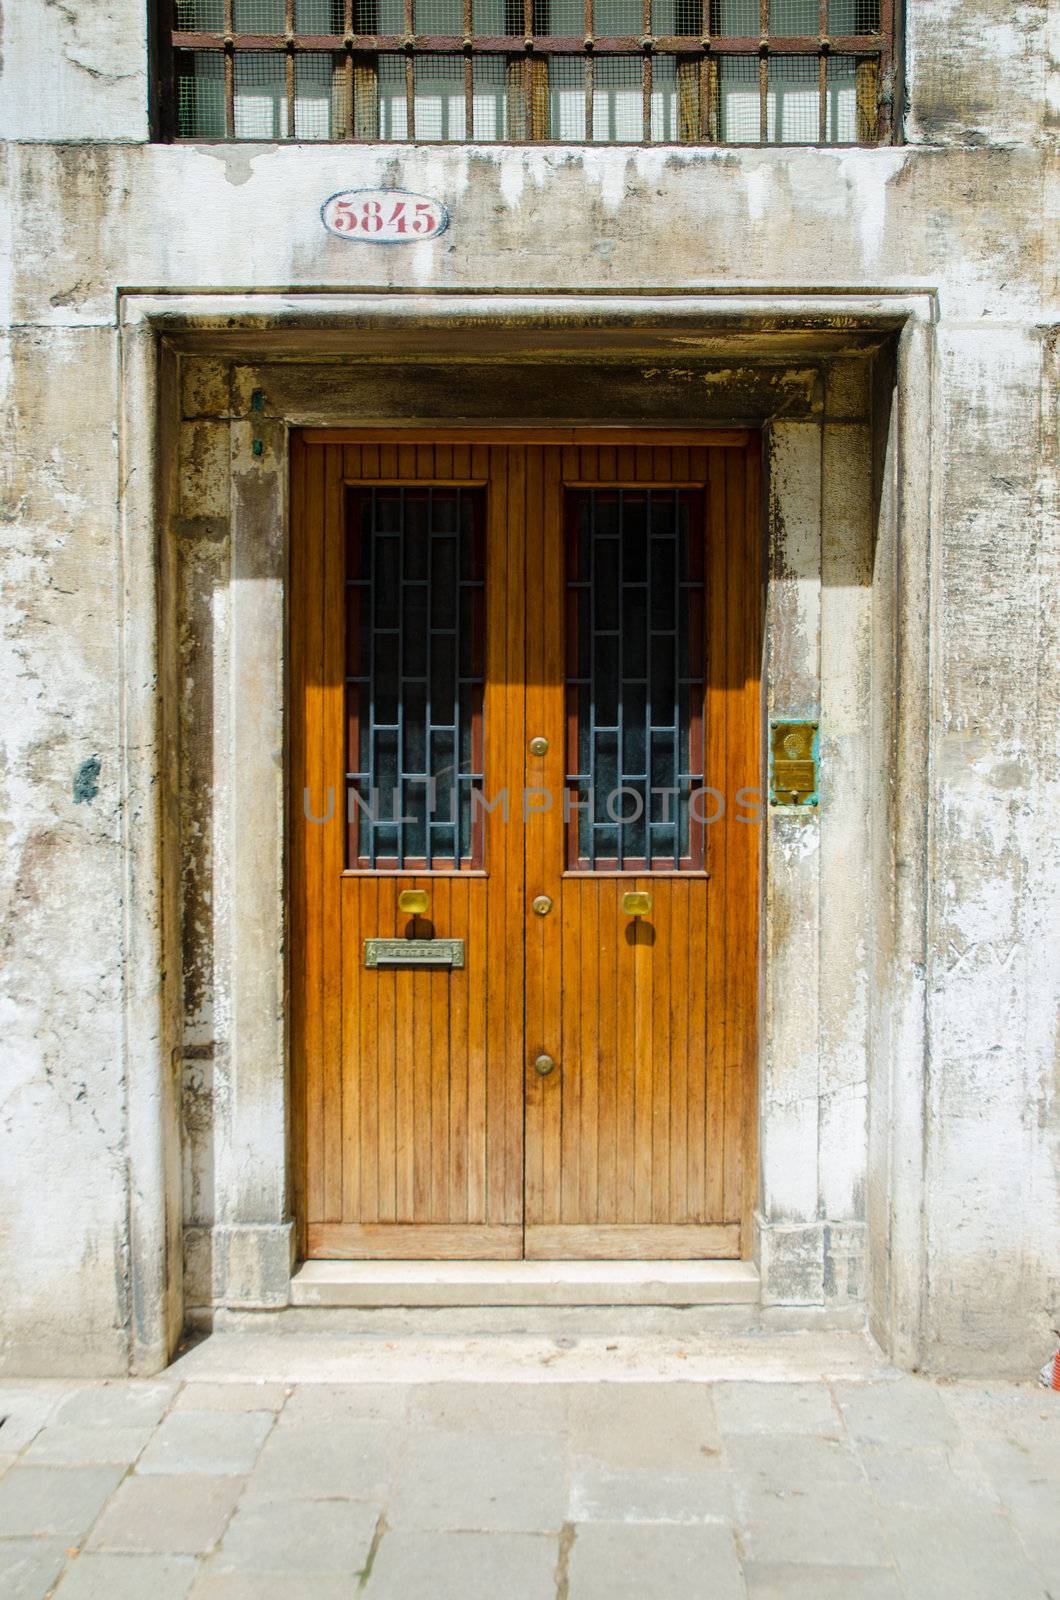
[637, 904]
[541, 905]
[414, 901]
[539, 746]
[543, 1065]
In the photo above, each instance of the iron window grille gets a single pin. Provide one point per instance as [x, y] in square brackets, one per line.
[517, 71]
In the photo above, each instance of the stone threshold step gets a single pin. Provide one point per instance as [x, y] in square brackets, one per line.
[525, 1283]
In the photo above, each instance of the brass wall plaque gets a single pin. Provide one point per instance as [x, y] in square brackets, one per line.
[793, 763]
[414, 952]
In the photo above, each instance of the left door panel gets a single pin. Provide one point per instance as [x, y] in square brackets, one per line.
[406, 695]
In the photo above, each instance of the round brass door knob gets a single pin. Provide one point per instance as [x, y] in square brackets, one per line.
[543, 1065]
[541, 905]
[539, 746]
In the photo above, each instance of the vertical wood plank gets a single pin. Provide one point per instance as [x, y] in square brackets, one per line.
[313, 694]
[297, 830]
[333, 833]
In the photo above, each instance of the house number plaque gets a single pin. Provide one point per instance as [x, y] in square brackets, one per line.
[384, 216]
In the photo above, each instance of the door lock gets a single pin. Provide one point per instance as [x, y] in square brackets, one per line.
[541, 905]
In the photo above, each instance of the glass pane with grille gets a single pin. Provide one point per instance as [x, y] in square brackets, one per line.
[739, 104]
[380, 16]
[635, 622]
[566, 98]
[564, 19]
[853, 16]
[793, 110]
[674, 18]
[318, 16]
[490, 80]
[618, 103]
[439, 99]
[393, 106]
[260, 95]
[794, 19]
[258, 16]
[618, 19]
[841, 109]
[414, 691]
[200, 94]
[200, 16]
[737, 19]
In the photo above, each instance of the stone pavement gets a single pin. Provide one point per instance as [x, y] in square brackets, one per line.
[628, 1483]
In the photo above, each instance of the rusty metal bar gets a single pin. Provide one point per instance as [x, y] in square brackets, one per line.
[349, 87]
[289, 81]
[469, 75]
[863, 44]
[646, 81]
[410, 76]
[230, 75]
[822, 76]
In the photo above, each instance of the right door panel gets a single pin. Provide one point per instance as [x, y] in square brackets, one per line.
[643, 674]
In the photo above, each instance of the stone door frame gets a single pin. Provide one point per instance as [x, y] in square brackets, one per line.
[251, 1239]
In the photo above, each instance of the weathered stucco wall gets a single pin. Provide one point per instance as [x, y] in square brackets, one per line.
[962, 210]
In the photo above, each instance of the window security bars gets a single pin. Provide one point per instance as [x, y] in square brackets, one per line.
[415, 651]
[635, 677]
[571, 71]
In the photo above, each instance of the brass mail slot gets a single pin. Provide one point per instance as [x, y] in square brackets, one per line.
[414, 952]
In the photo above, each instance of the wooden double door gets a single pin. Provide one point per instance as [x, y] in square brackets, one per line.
[524, 681]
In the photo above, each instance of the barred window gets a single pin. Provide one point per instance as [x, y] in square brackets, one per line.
[518, 71]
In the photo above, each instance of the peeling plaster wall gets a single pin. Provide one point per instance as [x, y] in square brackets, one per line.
[965, 209]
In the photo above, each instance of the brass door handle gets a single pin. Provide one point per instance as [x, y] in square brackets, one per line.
[637, 904]
[543, 1065]
[541, 905]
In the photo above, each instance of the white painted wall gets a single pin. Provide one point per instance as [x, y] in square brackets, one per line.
[961, 210]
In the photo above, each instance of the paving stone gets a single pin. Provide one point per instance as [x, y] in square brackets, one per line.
[969, 1554]
[217, 1442]
[481, 1482]
[610, 1561]
[829, 1524]
[235, 1586]
[29, 1567]
[777, 1408]
[820, 1583]
[171, 1515]
[645, 1424]
[128, 1403]
[25, 1411]
[782, 1459]
[303, 1538]
[602, 1493]
[354, 1402]
[492, 1407]
[349, 1460]
[231, 1397]
[107, 1577]
[926, 1478]
[903, 1412]
[64, 1501]
[69, 1445]
[464, 1566]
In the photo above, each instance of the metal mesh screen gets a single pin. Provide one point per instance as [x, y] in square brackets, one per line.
[853, 16]
[737, 18]
[790, 19]
[739, 102]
